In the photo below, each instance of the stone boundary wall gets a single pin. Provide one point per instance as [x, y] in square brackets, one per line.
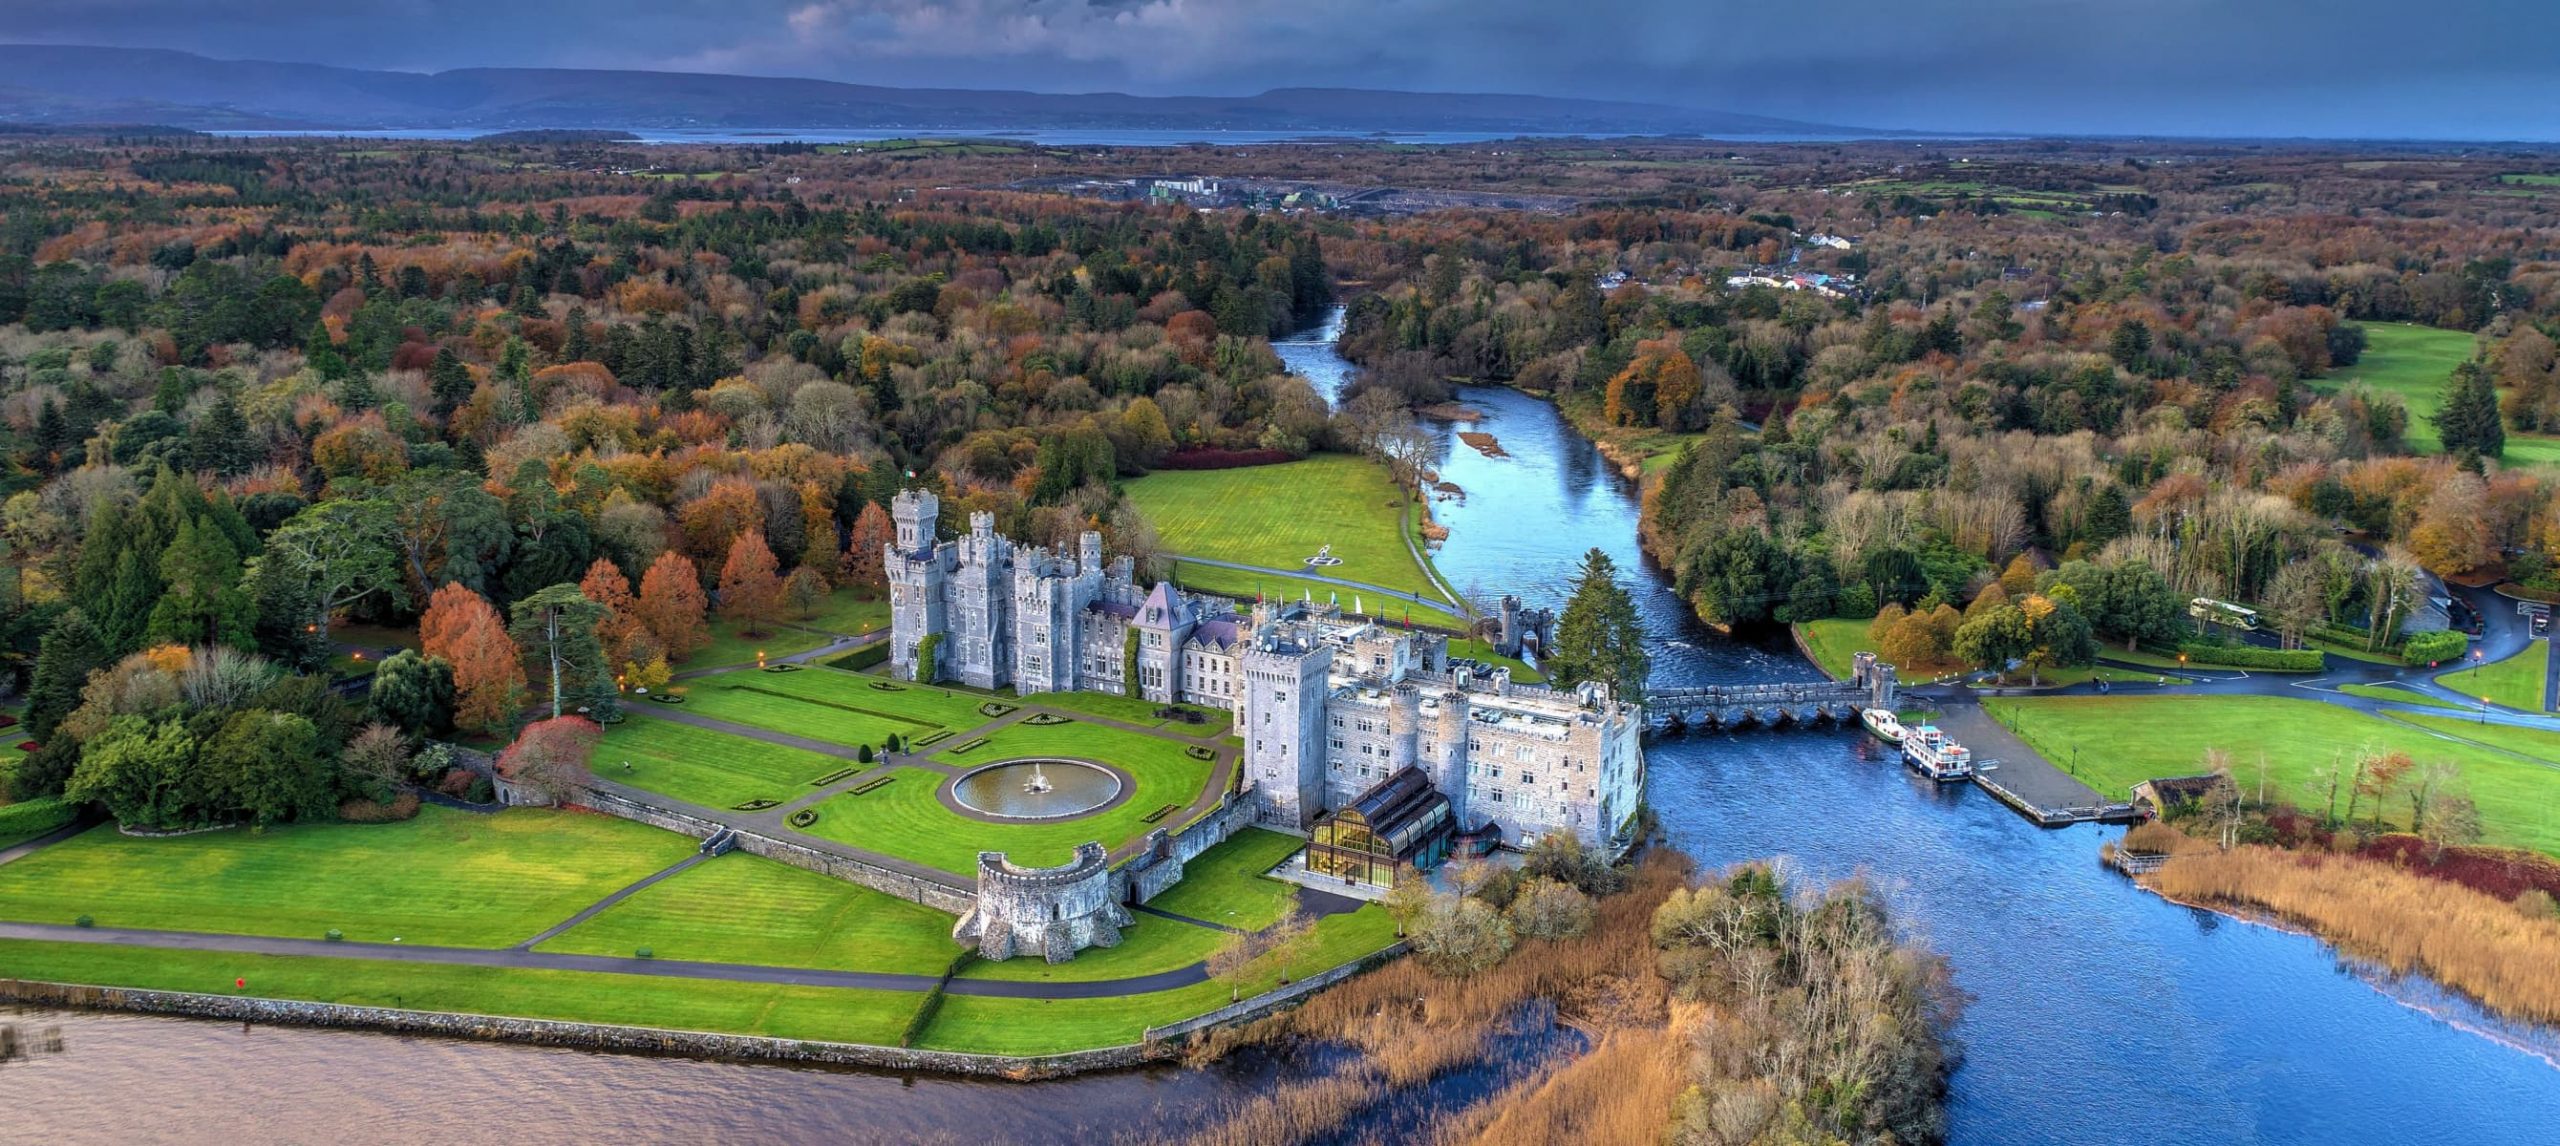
[938, 896]
[1162, 861]
[585, 1036]
[1272, 1001]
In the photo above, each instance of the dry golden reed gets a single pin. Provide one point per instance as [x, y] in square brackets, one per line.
[2474, 943]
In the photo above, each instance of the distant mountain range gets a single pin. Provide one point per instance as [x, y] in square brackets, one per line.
[59, 85]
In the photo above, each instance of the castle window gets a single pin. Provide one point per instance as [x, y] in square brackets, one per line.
[1526, 778]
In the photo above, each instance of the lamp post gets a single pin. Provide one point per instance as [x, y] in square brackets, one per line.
[2484, 711]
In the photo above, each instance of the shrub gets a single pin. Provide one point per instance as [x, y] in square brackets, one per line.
[1460, 938]
[2253, 657]
[2435, 648]
[868, 656]
[864, 754]
[84, 921]
[645, 953]
[334, 935]
[364, 811]
[31, 818]
[1545, 909]
[804, 817]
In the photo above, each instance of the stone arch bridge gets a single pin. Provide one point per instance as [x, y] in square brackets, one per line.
[1786, 705]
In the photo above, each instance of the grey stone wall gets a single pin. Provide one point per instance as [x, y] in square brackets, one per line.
[1160, 864]
[1052, 912]
[938, 896]
[588, 1036]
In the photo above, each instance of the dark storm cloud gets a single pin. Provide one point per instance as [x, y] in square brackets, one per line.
[2474, 68]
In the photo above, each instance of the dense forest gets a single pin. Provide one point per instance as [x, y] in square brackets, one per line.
[553, 402]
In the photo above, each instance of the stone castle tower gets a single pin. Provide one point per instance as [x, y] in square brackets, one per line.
[1285, 682]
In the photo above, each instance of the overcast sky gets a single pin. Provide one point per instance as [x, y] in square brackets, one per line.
[2439, 68]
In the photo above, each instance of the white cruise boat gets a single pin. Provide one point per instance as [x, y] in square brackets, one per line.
[1928, 751]
[1881, 721]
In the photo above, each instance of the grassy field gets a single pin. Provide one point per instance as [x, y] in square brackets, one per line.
[2394, 693]
[2123, 740]
[2517, 682]
[821, 1013]
[446, 878]
[730, 645]
[1278, 516]
[906, 819]
[830, 704]
[845, 611]
[703, 767]
[1834, 643]
[1046, 1026]
[741, 908]
[1225, 884]
[2527, 742]
[2414, 362]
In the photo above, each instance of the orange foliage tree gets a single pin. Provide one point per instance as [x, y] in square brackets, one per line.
[864, 560]
[750, 587]
[488, 675]
[671, 605]
[605, 585]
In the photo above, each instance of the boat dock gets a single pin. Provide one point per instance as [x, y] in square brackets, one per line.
[2018, 776]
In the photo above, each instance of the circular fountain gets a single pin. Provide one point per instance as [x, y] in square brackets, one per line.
[1046, 788]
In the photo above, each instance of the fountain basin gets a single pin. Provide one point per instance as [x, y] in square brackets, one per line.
[1037, 788]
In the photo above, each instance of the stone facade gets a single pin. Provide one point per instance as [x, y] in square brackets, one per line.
[1052, 912]
[1328, 705]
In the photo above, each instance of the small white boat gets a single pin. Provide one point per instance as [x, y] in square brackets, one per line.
[1931, 754]
[1881, 721]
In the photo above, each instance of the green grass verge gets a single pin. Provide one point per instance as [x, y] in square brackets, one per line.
[1243, 586]
[2533, 744]
[1481, 651]
[445, 878]
[2516, 682]
[742, 908]
[907, 820]
[817, 1013]
[1834, 642]
[703, 767]
[2393, 693]
[1225, 884]
[2124, 740]
[1278, 516]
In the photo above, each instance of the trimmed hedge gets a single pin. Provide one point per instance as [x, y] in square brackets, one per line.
[31, 818]
[868, 656]
[2253, 657]
[2438, 647]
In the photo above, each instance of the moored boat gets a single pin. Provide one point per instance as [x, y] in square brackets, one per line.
[1930, 753]
[1886, 726]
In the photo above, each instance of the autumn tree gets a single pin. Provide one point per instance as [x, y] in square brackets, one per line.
[672, 606]
[750, 590]
[550, 756]
[865, 553]
[464, 630]
[2453, 532]
[605, 585]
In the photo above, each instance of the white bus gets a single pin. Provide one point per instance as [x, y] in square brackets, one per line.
[2208, 611]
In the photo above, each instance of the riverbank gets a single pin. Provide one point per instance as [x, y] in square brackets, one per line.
[2505, 956]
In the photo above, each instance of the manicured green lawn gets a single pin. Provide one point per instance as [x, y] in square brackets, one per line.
[1151, 944]
[445, 878]
[815, 1013]
[703, 767]
[2516, 682]
[831, 704]
[1482, 651]
[2394, 693]
[1135, 710]
[730, 645]
[2414, 362]
[1225, 884]
[906, 818]
[1046, 1026]
[1278, 516]
[1835, 642]
[845, 611]
[741, 908]
[2534, 744]
[2123, 740]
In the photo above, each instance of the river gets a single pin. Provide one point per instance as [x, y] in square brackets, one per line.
[2099, 1013]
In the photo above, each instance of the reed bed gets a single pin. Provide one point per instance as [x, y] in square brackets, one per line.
[2486, 948]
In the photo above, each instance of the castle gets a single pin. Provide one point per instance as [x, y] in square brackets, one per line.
[1353, 731]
